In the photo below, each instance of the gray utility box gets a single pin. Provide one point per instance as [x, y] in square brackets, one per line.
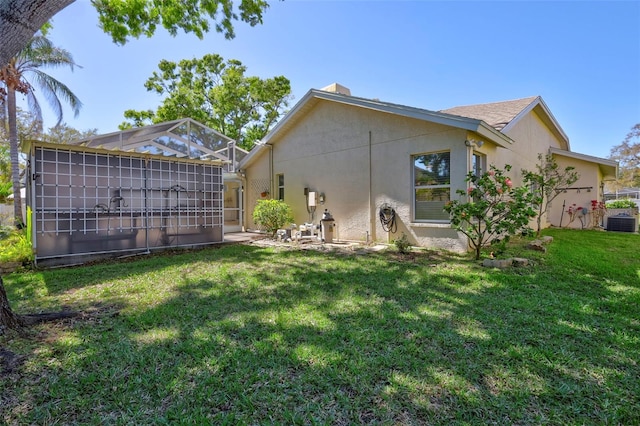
[622, 223]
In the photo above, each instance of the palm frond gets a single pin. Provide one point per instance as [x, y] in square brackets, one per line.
[55, 91]
[42, 53]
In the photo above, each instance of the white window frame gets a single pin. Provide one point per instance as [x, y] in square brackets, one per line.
[415, 187]
[478, 163]
[280, 186]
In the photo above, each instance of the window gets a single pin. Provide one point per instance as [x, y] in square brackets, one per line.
[477, 164]
[432, 185]
[281, 187]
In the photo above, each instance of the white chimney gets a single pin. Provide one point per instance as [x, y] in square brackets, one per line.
[337, 88]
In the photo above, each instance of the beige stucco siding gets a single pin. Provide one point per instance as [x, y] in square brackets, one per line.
[589, 190]
[531, 137]
[351, 154]
[359, 156]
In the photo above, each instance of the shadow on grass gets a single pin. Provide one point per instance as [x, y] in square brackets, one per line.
[36, 286]
[307, 337]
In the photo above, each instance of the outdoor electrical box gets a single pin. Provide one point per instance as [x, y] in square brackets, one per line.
[312, 199]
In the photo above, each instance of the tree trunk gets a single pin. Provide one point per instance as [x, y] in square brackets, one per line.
[14, 154]
[19, 21]
[8, 319]
[13, 321]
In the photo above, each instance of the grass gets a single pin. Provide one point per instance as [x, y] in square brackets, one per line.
[251, 335]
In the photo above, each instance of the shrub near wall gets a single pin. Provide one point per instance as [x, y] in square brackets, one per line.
[272, 214]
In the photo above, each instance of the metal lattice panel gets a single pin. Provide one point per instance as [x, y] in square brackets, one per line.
[89, 202]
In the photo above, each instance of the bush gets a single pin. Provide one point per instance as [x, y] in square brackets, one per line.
[492, 208]
[6, 189]
[272, 215]
[16, 247]
[402, 244]
[625, 203]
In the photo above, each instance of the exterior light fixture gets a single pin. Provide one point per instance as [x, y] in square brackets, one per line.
[473, 143]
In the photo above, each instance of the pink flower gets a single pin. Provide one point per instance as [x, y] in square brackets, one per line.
[499, 190]
[469, 191]
[508, 183]
[491, 173]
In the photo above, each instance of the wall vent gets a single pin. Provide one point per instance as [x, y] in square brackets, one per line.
[622, 223]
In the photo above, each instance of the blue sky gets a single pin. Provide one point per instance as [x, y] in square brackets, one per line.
[582, 57]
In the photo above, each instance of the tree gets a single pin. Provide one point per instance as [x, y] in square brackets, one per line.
[28, 128]
[63, 133]
[217, 94]
[627, 154]
[494, 208]
[122, 19]
[546, 182]
[39, 53]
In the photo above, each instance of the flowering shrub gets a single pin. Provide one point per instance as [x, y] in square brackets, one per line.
[598, 210]
[574, 211]
[495, 208]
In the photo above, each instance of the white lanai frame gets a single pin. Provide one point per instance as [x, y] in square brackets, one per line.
[180, 138]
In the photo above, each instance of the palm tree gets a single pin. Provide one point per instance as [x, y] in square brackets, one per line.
[39, 53]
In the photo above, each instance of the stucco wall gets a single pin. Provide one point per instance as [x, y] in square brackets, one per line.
[335, 150]
[589, 190]
[531, 137]
[360, 159]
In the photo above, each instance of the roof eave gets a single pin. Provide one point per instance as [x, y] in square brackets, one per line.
[495, 136]
[253, 155]
[548, 118]
[609, 168]
[465, 123]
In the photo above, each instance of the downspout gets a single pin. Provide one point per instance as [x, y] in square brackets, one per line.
[372, 225]
[243, 185]
[270, 169]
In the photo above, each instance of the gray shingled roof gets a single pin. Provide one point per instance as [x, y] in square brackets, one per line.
[495, 114]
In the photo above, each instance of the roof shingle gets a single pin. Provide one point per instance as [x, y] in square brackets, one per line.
[495, 114]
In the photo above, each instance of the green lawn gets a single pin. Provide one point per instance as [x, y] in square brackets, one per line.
[253, 335]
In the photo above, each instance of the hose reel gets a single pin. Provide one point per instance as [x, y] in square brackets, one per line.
[388, 218]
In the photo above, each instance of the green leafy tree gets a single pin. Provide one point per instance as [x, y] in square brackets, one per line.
[627, 154]
[545, 183]
[217, 94]
[272, 215]
[494, 209]
[28, 128]
[63, 133]
[123, 19]
[19, 76]
[5, 163]
[6, 187]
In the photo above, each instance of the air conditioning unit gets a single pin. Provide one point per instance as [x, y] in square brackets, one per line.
[622, 223]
